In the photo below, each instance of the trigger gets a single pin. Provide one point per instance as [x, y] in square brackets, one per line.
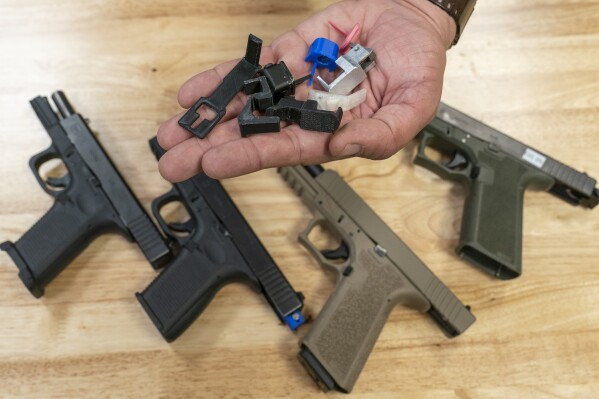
[340, 253]
[59, 182]
[185, 227]
[457, 161]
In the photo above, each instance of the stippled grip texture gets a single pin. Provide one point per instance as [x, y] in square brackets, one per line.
[177, 297]
[56, 239]
[491, 235]
[348, 326]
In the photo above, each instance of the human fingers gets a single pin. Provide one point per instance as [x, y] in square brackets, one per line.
[383, 134]
[204, 83]
[292, 146]
[170, 133]
[184, 159]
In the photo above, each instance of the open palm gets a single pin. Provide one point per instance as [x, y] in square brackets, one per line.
[404, 88]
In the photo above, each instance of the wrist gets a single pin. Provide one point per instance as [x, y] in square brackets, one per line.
[443, 23]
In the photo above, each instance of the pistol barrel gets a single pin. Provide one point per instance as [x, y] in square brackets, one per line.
[314, 170]
[62, 104]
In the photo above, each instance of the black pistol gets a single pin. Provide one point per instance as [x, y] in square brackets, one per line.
[90, 200]
[220, 248]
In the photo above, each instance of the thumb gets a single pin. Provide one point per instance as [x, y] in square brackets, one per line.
[380, 136]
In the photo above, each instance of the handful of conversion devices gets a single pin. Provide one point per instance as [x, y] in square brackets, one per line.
[375, 269]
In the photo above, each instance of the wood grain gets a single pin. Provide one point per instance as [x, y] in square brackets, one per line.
[530, 69]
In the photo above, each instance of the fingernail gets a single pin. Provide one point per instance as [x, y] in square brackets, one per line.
[351, 149]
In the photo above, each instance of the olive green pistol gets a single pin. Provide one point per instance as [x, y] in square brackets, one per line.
[496, 170]
[375, 270]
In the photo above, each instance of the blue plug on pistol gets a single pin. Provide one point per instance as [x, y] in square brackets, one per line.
[322, 53]
[294, 320]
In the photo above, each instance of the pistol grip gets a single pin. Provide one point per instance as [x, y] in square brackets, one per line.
[56, 239]
[346, 329]
[491, 233]
[179, 295]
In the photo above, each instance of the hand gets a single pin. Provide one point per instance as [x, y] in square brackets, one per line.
[404, 88]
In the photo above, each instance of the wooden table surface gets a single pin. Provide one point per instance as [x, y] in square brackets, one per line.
[530, 69]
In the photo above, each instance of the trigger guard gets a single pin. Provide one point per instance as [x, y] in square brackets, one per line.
[463, 171]
[314, 251]
[157, 205]
[37, 161]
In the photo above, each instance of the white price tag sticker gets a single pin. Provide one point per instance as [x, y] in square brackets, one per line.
[534, 158]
